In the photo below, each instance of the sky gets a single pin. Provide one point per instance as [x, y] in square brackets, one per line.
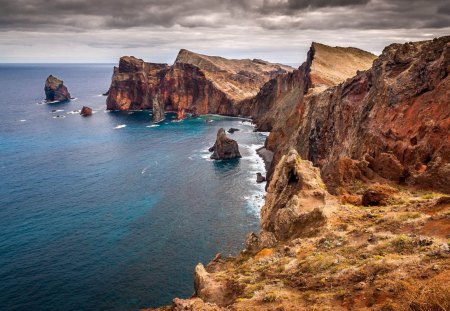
[101, 31]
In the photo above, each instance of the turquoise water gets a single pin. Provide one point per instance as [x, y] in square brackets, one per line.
[111, 212]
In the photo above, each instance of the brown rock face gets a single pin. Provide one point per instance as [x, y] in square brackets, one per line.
[86, 111]
[195, 83]
[326, 66]
[295, 199]
[55, 90]
[392, 120]
[225, 148]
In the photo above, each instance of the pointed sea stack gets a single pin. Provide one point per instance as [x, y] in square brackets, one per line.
[55, 90]
[225, 148]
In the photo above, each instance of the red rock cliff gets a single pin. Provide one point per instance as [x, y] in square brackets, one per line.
[391, 121]
[195, 83]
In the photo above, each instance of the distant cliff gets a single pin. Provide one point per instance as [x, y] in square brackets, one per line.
[195, 83]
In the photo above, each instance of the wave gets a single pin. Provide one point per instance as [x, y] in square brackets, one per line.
[120, 126]
[153, 125]
[73, 112]
[23, 120]
[56, 110]
[58, 117]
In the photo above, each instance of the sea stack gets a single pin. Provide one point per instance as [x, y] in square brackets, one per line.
[86, 111]
[55, 90]
[225, 148]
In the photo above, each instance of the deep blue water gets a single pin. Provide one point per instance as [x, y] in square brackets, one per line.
[98, 216]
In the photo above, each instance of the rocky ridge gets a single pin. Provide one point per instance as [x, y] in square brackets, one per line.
[195, 83]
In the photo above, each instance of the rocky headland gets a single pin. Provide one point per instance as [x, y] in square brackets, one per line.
[55, 90]
[195, 83]
[356, 215]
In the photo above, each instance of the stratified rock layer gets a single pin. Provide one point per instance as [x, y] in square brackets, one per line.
[55, 90]
[391, 121]
[195, 83]
[224, 148]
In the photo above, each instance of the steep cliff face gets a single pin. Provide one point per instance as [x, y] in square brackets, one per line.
[195, 83]
[135, 85]
[325, 67]
[392, 121]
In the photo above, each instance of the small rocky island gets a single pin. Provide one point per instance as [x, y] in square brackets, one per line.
[55, 90]
[86, 111]
[225, 148]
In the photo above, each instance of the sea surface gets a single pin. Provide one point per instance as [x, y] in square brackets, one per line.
[111, 212]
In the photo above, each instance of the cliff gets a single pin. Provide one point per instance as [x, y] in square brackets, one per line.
[348, 222]
[325, 67]
[391, 121]
[195, 83]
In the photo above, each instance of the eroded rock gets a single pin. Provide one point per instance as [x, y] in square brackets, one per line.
[295, 199]
[86, 111]
[224, 148]
[55, 90]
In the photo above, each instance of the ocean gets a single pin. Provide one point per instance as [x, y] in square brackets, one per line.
[112, 212]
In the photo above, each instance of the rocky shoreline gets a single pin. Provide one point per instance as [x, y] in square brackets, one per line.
[352, 217]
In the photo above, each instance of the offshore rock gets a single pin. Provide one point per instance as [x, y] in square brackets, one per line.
[295, 200]
[86, 111]
[55, 90]
[260, 178]
[225, 148]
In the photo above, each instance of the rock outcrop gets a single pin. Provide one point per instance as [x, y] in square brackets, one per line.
[391, 121]
[86, 111]
[260, 178]
[224, 148]
[325, 67]
[295, 199]
[195, 83]
[55, 90]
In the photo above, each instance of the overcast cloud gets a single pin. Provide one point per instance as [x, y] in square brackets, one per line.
[276, 30]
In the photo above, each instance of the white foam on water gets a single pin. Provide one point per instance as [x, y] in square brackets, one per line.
[153, 125]
[120, 126]
[131, 112]
[59, 117]
[144, 170]
[73, 112]
[23, 120]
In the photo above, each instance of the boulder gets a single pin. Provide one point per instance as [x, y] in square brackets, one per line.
[377, 195]
[232, 130]
[225, 148]
[86, 111]
[55, 91]
[209, 289]
[260, 178]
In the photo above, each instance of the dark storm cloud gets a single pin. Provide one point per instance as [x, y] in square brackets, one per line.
[84, 15]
